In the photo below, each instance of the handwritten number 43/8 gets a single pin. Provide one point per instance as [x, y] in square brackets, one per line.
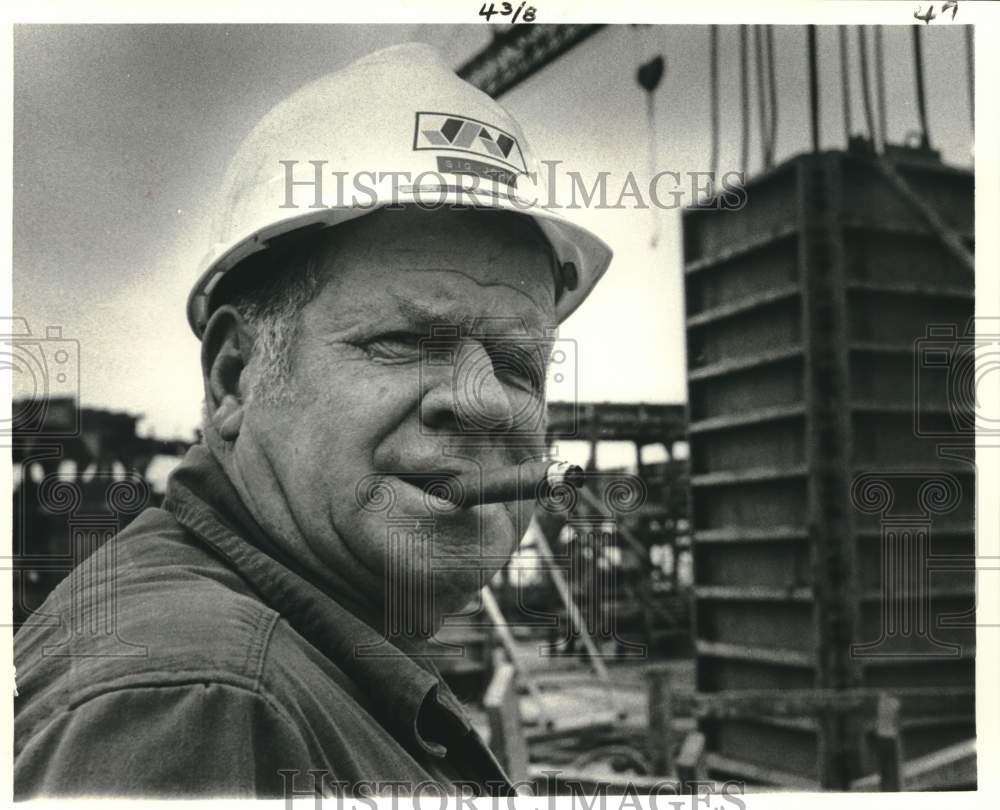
[506, 10]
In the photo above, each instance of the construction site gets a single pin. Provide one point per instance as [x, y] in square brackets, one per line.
[785, 596]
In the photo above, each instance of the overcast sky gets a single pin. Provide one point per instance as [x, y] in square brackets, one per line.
[121, 133]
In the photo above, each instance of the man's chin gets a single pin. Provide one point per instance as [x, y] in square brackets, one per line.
[456, 593]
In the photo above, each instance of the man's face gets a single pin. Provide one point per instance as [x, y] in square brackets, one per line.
[360, 401]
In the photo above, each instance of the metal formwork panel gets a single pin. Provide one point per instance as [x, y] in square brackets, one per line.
[804, 315]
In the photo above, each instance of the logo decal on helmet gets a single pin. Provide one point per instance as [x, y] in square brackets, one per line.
[456, 133]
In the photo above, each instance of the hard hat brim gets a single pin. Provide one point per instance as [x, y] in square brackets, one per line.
[571, 243]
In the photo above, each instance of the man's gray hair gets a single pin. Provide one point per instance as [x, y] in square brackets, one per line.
[284, 283]
[272, 312]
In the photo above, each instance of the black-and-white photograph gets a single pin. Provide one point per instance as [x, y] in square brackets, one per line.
[524, 405]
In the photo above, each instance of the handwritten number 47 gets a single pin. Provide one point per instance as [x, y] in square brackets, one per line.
[927, 16]
[506, 10]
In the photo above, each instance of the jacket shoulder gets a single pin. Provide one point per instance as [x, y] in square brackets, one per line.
[152, 607]
[176, 741]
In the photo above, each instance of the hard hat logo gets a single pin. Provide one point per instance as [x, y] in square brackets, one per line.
[456, 133]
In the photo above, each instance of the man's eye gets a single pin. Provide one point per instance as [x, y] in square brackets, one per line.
[393, 346]
[519, 366]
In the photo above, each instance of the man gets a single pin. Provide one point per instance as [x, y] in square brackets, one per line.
[256, 649]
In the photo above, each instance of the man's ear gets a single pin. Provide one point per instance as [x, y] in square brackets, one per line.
[226, 348]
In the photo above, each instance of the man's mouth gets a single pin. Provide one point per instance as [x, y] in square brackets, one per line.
[525, 482]
[441, 489]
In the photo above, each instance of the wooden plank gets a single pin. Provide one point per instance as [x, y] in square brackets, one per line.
[753, 593]
[503, 712]
[691, 770]
[768, 655]
[749, 475]
[598, 721]
[513, 654]
[913, 288]
[762, 239]
[660, 724]
[810, 702]
[731, 365]
[545, 774]
[740, 534]
[952, 768]
[743, 305]
[728, 421]
[758, 773]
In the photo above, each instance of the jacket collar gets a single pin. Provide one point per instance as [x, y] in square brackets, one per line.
[404, 687]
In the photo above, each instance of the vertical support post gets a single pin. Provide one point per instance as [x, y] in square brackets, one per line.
[828, 455]
[504, 715]
[545, 550]
[888, 748]
[691, 769]
[660, 727]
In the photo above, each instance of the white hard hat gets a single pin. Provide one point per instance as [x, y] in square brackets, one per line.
[402, 120]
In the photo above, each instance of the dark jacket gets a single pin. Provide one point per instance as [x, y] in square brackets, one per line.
[187, 658]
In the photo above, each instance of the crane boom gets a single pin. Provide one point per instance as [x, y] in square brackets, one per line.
[519, 52]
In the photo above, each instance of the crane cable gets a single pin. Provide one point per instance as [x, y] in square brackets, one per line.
[649, 76]
[812, 52]
[845, 82]
[758, 54]
[773, 85]
[713, 48]
[971, 76]
[654, 239]
[744, 104]
[880, 86]
[918, 67]
[865, 89]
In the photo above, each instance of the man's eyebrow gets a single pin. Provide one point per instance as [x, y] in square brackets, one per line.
[422, 315]
[426, 316]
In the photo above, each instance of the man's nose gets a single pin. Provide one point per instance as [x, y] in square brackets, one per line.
[466, 396]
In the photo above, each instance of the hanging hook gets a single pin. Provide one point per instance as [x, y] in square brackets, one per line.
[649, 76]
